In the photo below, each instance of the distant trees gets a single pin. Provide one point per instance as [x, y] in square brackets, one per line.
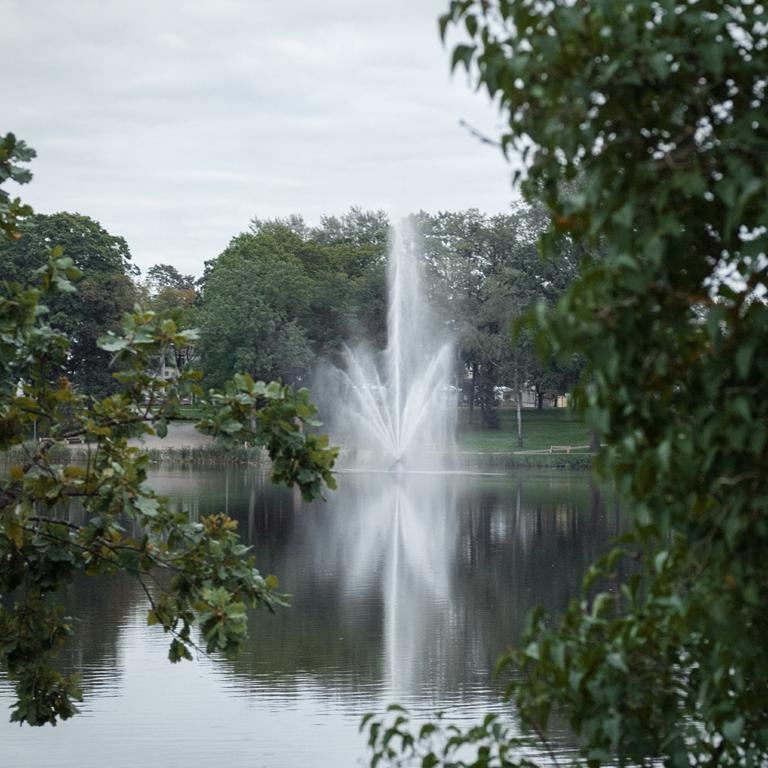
[484, 272]
[169, 293]
[254, 297]
[285, 295]
[105, 291]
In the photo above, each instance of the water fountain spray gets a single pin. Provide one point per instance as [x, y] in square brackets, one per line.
[396, 407]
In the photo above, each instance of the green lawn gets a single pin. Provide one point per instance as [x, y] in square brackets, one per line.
[541, 429]
[192, 412]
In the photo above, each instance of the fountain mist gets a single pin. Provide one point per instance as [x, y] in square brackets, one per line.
[395, 407]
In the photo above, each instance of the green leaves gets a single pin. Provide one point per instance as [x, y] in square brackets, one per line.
[395, 739]
[209, 577]
[13, 152]
[281, 425]
[647, 141]
[222, 621]
[463, 54]
[113, 343]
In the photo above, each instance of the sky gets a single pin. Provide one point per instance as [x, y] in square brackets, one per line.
[174, 122]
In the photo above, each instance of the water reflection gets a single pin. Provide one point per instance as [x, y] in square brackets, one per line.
[406, 587]
[409, 585]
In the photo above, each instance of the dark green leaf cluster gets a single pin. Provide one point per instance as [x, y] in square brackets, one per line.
[643, 126]
[105, 289]
[284, 296]
[395, 739]
[13, 152]
[193, 573]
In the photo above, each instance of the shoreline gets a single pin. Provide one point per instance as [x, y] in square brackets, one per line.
[211, 454]
[186, 446]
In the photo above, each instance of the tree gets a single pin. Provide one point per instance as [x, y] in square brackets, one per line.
[658, 107]
[13, 152]
[345, 257]
[197, 577]
[253, 300]
[285, 296]
[356, 227]
[173, 295]
[351, 291]
[484, 272]
[105, 292]
[162, 276]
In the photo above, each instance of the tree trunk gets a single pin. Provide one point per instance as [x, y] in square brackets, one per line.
[519, 407]
[488, 410]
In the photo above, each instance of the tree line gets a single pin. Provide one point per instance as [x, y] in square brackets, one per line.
[284, 296]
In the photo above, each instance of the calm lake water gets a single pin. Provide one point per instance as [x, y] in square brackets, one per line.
[406, 588]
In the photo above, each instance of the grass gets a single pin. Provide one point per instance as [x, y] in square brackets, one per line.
[193, 412]
[541, 429]
[505, 462]
[213, 454]
[482, 448]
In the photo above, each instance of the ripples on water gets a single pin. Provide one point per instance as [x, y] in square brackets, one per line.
[405, 589]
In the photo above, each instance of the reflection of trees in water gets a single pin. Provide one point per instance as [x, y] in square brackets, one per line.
[410, 586]
[472, 556]
[533, 551]
[102, 607]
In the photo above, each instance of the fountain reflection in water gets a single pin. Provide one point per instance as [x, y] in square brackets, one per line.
[395, 409]
[398, 534]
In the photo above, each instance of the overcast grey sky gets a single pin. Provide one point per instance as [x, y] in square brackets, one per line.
[174, 122]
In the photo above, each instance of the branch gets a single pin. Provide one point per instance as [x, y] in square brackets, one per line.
[479, 135]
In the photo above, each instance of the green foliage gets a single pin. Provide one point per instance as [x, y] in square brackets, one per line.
[193, 573]
[657, 107]
[105, 290]
[484, 272]
[285, 295]
[488, 744]
[161, 276]
[13, 151]
[252, 298]
[171, 294]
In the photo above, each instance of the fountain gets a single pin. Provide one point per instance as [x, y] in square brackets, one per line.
[395, 409]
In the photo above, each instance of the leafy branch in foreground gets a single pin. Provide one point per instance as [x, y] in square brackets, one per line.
[643, 127]
[400, 742]
[191, 572]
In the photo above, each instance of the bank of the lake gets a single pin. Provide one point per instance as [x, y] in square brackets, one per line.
[552, 439]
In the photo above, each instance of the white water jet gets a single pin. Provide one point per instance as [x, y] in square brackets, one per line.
[397, 409]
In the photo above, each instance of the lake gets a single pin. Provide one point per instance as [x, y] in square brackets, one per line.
[405, 588]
